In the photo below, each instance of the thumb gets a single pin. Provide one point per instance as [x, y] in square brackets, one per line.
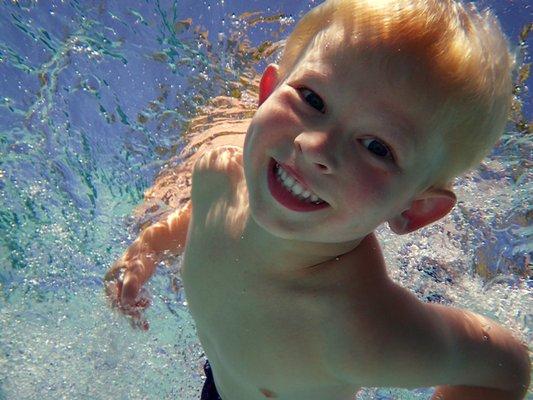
[130, 288]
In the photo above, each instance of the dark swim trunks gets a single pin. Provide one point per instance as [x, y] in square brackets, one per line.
[209, 392]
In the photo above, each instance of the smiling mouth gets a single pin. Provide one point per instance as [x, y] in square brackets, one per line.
[288, 191]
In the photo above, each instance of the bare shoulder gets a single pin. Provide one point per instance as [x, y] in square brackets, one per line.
[386, 336]
[217, 172]
[219, 159]
[218, 190]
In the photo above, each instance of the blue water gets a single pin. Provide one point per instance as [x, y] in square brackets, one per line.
[94, 97]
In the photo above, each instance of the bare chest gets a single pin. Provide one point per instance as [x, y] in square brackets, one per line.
[258, 330]
[244, 315]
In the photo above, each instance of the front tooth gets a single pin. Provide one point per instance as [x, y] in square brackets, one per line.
[289, 180]
[297, 189]
[290, 183]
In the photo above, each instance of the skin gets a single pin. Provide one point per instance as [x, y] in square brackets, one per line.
[292, 305]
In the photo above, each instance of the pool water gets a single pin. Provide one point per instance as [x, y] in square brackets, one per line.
[94, 97]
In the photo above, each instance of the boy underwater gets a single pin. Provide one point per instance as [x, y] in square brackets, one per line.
[375, 107]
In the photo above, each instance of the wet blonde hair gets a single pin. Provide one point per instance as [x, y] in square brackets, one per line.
[463, 52]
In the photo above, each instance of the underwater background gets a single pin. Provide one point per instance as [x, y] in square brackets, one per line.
[94, 98]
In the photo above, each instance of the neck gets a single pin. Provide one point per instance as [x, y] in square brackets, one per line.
[290, 255]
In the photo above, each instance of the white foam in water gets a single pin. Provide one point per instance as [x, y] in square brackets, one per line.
[78, 349]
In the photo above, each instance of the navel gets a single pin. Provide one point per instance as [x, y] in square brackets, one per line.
[268, 393]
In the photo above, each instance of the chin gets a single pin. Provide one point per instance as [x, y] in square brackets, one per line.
[275, 225]
[282, 228]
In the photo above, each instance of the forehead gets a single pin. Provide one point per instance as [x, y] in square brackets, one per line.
[344, 63]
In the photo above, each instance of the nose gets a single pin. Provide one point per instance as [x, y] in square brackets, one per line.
[316, 148]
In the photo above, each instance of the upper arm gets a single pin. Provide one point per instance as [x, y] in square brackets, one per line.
[484, 353]
[408, 343]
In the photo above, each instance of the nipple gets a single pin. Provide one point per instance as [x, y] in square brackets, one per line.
[268, 393]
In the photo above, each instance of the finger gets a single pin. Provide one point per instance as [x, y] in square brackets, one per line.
[144, 325]
[139, 322]
[143, 303]
[130, 289]
[114, 272]
[112, 291]
[110, 274]
[118, 294]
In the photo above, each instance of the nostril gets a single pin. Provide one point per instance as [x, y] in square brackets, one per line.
[313, 154]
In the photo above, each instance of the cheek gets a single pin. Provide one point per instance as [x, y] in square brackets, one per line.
[368, 185]
[277, 116]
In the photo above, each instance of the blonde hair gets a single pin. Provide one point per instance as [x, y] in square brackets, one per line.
[463, 51]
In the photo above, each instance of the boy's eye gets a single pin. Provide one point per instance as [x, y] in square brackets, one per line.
[312, 99]
[378, 148]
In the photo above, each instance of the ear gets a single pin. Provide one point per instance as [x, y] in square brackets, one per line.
[428, 207]
[268, 83]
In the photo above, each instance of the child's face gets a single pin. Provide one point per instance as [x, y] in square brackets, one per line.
[359, 139]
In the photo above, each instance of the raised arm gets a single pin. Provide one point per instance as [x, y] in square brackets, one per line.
[162, 239]
[408, 343]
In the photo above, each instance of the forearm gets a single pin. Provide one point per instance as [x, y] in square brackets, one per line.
[141, 259]
[126, 276]
[164, 238]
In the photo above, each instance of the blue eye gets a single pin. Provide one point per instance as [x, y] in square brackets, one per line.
[377, 148]
[312, 99]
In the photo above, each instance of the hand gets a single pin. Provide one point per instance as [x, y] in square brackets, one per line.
[123, 286]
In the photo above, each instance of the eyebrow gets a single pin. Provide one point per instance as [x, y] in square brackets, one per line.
[313, 75]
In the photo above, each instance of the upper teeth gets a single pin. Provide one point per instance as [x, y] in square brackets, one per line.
[294, 187]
